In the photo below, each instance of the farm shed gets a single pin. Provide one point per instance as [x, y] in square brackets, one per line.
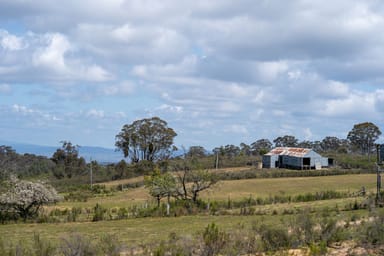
[295, 158]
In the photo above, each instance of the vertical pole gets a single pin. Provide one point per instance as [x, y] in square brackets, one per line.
[217, 160]
[168, 207]
[91, 174]
[378, 184]
[378, 181]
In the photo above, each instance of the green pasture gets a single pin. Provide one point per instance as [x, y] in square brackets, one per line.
[135, 232]
[240, 189]
[130, 232]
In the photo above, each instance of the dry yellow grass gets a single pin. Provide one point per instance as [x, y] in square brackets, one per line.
[116, 183]
[236, 189]
[240, 189]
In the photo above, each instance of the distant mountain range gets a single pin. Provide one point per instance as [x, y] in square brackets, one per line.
[100, 154]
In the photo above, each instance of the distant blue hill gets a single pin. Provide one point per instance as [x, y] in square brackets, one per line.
[100, 154]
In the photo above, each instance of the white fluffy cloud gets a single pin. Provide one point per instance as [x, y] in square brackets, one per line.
[10, 42]
[46, 57]
[210, 68]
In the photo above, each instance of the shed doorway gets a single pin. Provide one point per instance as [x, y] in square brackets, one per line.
[306, 162]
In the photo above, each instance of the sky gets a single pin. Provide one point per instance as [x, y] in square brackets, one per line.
[219, 72]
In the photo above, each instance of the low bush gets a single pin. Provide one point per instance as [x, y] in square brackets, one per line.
[78, 196]
[373, 231]
[99, 213]
[214, 240]
[273, 238]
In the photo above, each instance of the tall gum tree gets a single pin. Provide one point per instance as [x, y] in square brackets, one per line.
[363, 137]
[147, 139]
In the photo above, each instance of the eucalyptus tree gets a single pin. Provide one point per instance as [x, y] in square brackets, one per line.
[245, 149]
[363, 137]
[196, 152]
[261, 147]
[147, 139]
[68, 161]
[286, 141]
[331, 143]
[305, 144]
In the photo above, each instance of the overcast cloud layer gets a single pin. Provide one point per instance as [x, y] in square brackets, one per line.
[219, 72]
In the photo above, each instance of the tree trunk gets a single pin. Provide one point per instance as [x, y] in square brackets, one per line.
[194, 198]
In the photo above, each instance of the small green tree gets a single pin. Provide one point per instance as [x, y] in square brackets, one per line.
[191, 182]
[161, 185]
[201, 180]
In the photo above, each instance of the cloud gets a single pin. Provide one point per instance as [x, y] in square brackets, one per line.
[36, 116]
[123, 89]
[45, 58]
[207, 67]
[168, 108]
[235, 128]
[132, 44]
[51, 56]
[10, 42]
[22, 109]
[354, 104]
[93, 113]
[5, 89]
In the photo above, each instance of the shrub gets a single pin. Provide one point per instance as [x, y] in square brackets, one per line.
[330, 232]
[373, 232]
[175, 245]
[78, 196]
[273, 238]
[110, 245]
[213, 240]
[42, 247]
[318, 249]
[75, 244]
[99, 213]
[303, 228]
[74, 213]
[24, 199]
[122, 213]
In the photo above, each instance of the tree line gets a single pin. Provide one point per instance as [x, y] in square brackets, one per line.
[152, 140]
[149, 142]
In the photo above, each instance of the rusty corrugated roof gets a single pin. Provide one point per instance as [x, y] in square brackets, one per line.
[287, 151]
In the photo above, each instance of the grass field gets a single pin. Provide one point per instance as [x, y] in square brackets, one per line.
[237, 189]
[240, 189]
[116, 183]
[134, 232]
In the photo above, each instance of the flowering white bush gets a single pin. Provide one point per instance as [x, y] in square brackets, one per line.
[24, 198]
